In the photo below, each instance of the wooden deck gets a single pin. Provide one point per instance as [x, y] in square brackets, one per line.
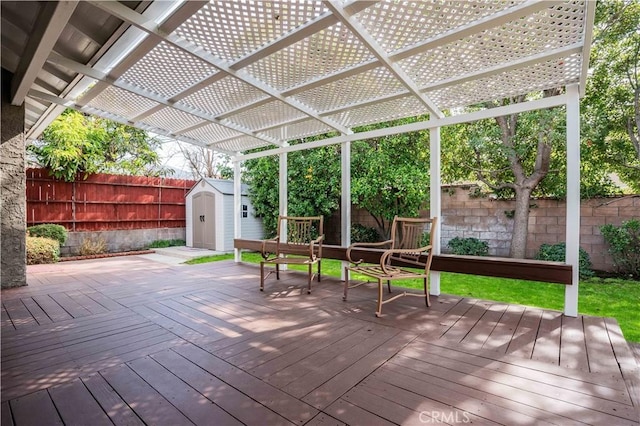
[131, 341]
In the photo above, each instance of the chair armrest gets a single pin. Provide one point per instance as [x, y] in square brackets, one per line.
[364, 245]
[263, 251]
[385, 256]
[312, 245]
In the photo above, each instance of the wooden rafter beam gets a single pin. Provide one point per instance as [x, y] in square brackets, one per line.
[50, 22]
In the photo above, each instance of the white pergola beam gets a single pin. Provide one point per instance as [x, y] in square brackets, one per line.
[48, 26]
[423, 125]
[237, 207]
[374, 47]
[124, 13]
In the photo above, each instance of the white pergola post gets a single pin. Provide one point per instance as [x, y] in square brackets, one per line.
[283, 202]
[237, 207]
[435, 201]
[345, 205]
[573, 199]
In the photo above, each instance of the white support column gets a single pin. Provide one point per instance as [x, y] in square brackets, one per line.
[435, 201]
[283, 202]
[237, 207]
[345, 204]
[573, 199]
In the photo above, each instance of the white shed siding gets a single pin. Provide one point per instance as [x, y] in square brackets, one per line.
[251, 226]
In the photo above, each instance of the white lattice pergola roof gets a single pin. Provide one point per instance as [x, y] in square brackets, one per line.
[238, 75]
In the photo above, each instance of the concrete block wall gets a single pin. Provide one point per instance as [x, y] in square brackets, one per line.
[121, 240]
[466, 216]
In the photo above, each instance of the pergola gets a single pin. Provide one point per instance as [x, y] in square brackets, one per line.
[238, 75]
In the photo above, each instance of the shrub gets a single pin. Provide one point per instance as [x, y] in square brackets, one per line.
[167, 243]
[364, 234]
[468, 247]
[556, 253]
[624, 246]
[42, 250]
[91, 246]
[49, 230]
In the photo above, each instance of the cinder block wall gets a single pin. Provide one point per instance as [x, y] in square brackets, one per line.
[121, 240]
[466, 216]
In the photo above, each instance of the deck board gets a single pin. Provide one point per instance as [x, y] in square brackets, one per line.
[77, 406]
[118, 411]
[128, 341]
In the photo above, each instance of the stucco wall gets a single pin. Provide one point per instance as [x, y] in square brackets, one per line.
[12, 193]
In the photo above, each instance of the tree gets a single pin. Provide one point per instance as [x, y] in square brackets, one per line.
[313, 184]
[612, 103]
[512, 155]
[75, 143]
[204, 163]
[390, 175]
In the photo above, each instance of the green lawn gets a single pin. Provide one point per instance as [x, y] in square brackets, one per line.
[610, 297]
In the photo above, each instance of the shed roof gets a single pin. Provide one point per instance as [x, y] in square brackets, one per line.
[238, 75]
[225, 187]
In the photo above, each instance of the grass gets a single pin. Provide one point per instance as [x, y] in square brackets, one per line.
[166, 243]
[608, 297]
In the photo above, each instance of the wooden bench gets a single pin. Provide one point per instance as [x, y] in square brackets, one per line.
[411, 240]
[303, 246]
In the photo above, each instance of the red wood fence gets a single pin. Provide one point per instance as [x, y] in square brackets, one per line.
[106, 202]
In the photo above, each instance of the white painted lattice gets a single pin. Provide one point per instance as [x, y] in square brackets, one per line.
[240, 144]
[512, 41]
[122, 103]
[396, 25]
[212, 133]
[298, 130]
[171, 119]
[322, 53]
[538, 77]
[233, 29]
[266, 115]
[380, 112]
[226, 94]
[283, 70]
[368, 85]
[167, 71]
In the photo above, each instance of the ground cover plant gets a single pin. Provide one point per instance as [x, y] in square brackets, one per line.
[611, 297]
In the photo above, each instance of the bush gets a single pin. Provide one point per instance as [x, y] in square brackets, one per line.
[468, 247]
[556, 253]
[42, 250]
[624, 246]
[49, 230]
[364, 234]
[92, 246]
[167, 243]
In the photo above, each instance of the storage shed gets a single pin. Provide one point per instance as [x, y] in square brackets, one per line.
[209, 214]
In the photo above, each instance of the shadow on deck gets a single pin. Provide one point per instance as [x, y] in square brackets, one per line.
[131, 341]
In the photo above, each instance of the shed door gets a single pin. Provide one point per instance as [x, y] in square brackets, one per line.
[204, 221]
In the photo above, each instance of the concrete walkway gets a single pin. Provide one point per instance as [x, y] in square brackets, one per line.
[178, 255]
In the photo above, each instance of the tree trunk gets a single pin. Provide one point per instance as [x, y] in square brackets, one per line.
[520, 224]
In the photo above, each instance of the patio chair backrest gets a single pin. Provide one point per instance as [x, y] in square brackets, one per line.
[300, 230]
[412, 233]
